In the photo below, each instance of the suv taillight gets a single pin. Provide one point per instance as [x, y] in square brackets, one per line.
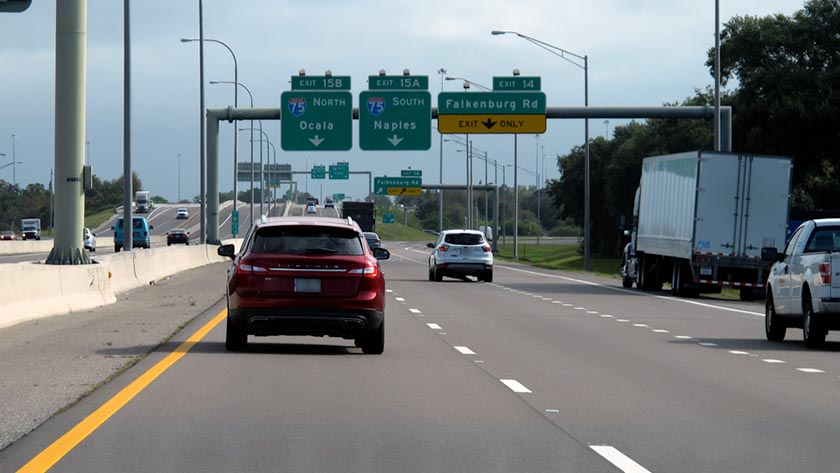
[825, 273]
[487, 249]
[246, 269]
[443, 248]
[369, 271]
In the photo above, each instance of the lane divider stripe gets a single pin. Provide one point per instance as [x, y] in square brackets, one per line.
[67, 442]
[620, 460]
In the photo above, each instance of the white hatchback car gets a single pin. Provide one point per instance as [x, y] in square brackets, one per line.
[89, 240]
[461, 253]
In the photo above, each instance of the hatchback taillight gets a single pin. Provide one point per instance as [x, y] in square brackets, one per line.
[487, 249]
[825, 273]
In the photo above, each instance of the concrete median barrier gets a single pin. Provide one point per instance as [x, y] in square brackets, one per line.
[32, 291]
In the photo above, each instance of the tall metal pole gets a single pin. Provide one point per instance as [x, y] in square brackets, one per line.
[202, 166]
[262, 174]
[504, 205]
[70, 87]
[14, 161]
[586, 233]
[179, 177]
[515, 197]
[486, 192]
[537, 168]
[128, 182]
[717, 75]
[442, 72]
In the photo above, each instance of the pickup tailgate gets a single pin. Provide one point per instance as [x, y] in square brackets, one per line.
[835, 274]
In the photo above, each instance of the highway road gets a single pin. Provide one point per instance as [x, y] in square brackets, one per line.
[540, 371]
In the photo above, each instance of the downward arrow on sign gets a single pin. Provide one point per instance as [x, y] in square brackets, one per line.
[395, 140]
[489, 123]
[316, 140]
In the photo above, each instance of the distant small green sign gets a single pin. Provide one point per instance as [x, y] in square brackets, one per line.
[338, 197]
[318, 172]
[320, 82]
[411, 173]
[388, 218]
[340, 171]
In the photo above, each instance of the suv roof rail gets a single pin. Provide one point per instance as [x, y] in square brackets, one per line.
[350, 220]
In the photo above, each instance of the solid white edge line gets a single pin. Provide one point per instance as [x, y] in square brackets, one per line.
[620, 460]
[590, 283]
[464, 350]
[515, 386]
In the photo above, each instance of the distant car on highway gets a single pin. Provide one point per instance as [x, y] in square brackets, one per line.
[328, 203]
[182, 213]
[461, 253]
[311, 210]
[89, 239]
[176, 236]
[8, 235]
[373, 240]
[306, 277]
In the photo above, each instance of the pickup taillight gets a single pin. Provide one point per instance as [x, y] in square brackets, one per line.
[825, 273]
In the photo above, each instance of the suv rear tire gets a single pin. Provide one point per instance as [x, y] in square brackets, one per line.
[235, 339]
[374, 342]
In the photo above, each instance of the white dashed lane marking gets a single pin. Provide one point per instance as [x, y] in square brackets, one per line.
[738, 352]
[465, 350]
[772, 360]
[400, 299]
[415, 311]
[810, 370]
[620, 460]
[434, 326]
[515, 386]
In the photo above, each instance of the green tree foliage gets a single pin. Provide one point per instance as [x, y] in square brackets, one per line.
[788, 95]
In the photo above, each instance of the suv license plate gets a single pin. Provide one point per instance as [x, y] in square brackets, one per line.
[307, 285]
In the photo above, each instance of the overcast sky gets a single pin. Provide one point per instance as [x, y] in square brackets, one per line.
[642, 52]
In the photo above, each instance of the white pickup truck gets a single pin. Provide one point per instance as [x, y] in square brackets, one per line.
[803, 288]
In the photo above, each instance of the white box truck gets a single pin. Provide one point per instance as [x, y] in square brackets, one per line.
[143, 200]
[30, 228]
[701, 219]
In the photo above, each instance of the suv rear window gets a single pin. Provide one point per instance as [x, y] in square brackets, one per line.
[307, 240]
[464, 239]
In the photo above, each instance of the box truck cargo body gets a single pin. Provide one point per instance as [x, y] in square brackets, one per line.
[702, 219]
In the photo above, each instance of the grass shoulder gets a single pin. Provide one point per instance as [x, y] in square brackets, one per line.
[560, 257]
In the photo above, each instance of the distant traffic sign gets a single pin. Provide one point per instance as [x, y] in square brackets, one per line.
[388, 218]
[340, 171]
[411, 173]
[520, 83]
[405, 191]
[398, 82]
[491, 112]
[234, 222]
[316, 121]
[243, 172]
[318, 172]
[277, 173]
[320, 82]
[382, 185]
[338, 197]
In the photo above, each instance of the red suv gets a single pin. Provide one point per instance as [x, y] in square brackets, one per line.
[314, 276]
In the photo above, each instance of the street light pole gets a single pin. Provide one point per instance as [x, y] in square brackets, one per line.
[442, 73]
[14, 168]
[179, 177]
[562, 53]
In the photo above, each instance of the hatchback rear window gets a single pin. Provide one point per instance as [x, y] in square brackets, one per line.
[307, 240]
[464, 239]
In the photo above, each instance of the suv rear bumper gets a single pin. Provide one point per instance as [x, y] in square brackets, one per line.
[465, 269]
[328, 322]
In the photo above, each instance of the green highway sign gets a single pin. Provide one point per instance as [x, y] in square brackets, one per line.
[381, 184]
[318, 172]
[234, 222]
[398, 82]
[411, 173]
[316, 121]
[484, 103]
[517, 83]
[338, 197]
[388, 218]
[320, 82]
[395, 120]
[340, 171]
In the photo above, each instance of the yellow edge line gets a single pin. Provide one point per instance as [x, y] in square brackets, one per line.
[67, 442]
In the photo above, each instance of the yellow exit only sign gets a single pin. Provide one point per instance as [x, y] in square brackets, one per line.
[404, 191]
[478, 124]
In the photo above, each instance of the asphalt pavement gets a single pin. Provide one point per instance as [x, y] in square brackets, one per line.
[538, 371]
